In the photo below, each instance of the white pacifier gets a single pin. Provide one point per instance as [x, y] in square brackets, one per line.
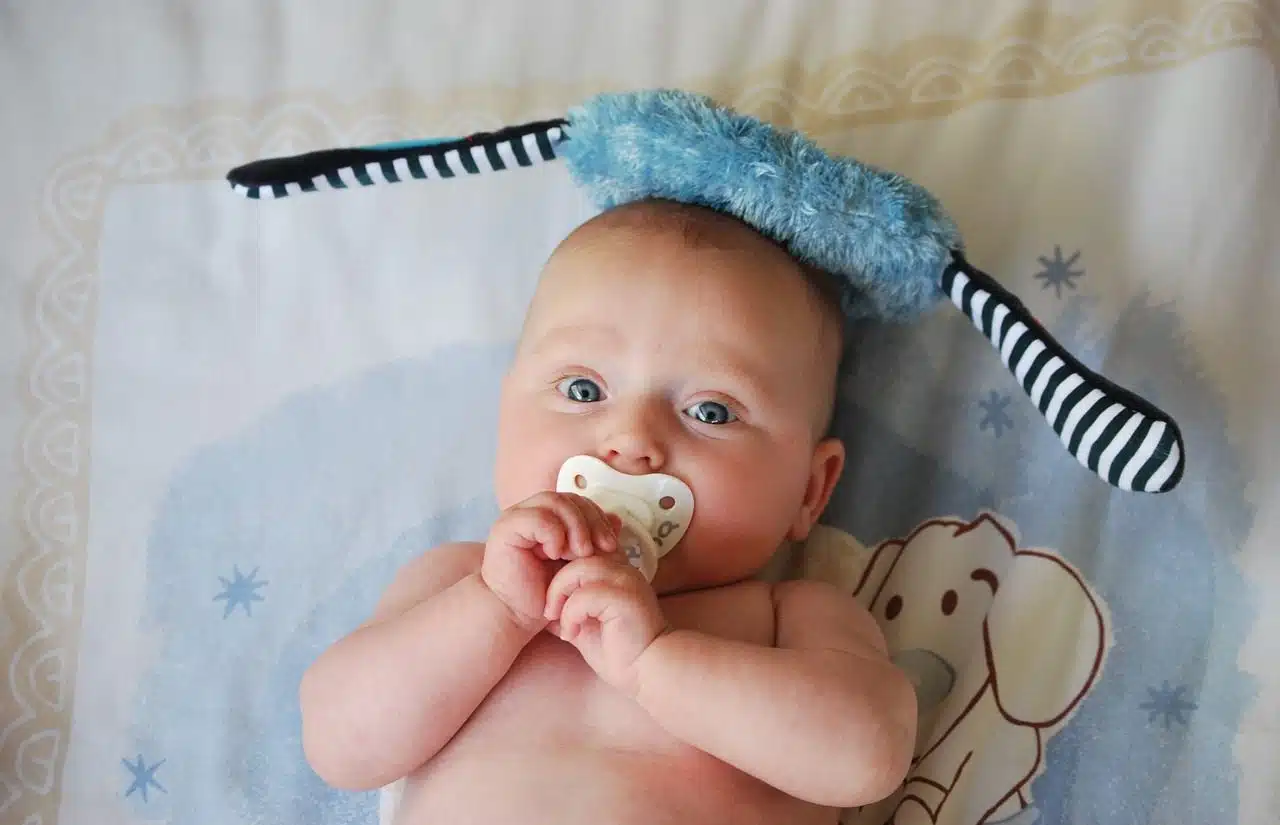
[655, 509]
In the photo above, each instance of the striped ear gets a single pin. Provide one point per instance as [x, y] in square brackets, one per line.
[1120, 436]
[512, 148]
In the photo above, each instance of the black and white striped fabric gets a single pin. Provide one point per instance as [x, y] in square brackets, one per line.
[519, 146]
[1118, 435]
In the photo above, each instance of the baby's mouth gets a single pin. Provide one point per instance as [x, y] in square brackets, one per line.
[654, 509]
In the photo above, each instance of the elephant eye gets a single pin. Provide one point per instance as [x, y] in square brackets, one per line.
[893, 607]
[982, 574]
[949, 600]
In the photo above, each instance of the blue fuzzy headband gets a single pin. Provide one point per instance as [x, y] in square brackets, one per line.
[892, 248]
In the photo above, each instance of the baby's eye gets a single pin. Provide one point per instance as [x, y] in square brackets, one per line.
[711, 412]
[582, 390]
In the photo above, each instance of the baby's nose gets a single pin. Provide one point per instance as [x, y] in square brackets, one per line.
[634, 451]
[634, 443]
[638, 461]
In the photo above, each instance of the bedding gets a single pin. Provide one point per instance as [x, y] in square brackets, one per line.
[225, 424]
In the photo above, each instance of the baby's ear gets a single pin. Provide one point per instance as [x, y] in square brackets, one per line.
[824, 472]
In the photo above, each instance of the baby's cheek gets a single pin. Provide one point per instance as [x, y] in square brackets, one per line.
[525, 462]
[532, 446]
[742, 510]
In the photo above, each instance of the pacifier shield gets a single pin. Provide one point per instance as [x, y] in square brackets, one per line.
[659, 504]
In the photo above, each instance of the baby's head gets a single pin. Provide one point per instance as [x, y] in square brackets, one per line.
[675, 339]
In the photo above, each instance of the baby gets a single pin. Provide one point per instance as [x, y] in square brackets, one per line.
[539, 677]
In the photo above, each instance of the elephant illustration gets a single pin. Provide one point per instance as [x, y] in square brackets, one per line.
[1002, 644]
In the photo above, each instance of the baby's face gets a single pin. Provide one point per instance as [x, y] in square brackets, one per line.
[711, 364]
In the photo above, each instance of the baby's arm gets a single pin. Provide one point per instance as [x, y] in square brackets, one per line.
[381, 702]
[823, 716]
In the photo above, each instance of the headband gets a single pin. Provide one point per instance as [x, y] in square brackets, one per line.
[889, 244]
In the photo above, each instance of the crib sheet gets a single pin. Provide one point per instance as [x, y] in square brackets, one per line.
[223, 425]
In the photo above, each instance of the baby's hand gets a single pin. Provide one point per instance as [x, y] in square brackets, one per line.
[533, 539]
[605, 608]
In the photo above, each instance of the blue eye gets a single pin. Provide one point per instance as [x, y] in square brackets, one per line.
[582, 390]
[711, 412]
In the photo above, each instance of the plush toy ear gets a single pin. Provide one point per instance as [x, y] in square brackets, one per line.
[889, 242]
[429, 159]
[1118, 435]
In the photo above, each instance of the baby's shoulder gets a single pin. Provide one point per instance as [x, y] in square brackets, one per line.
[751, 592]
[742, 611]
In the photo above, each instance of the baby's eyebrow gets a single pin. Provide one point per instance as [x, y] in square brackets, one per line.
[595, 336]
[741, 373]
[729, 372]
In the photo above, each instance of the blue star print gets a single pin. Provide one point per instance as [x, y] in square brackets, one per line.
[240, 591]
[1058, 273]
[1170, 703]
[144, 777]
[995, 413]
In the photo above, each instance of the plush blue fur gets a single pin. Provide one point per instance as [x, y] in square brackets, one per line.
[887, 237]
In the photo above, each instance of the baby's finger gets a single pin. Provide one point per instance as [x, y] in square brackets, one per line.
[573, 526]
[598, 601]
[602, 569]
[604, 526]
[589, 521]
[537, 530]
[561, 587]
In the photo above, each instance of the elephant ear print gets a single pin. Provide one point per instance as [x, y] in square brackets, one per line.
[893, 607]
[949, 600]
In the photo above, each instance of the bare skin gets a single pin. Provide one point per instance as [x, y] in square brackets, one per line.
[537, 677]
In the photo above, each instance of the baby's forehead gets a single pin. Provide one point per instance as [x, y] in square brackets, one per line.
[676, 224]
[721, 286]
[687, 249]
[681, 247]
[656, 226]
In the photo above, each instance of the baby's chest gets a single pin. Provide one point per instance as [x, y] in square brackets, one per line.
[551, 693]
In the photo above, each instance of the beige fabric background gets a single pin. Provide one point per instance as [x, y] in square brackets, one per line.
[97, 92]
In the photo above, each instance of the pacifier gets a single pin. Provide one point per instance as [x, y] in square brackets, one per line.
[655, 509]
